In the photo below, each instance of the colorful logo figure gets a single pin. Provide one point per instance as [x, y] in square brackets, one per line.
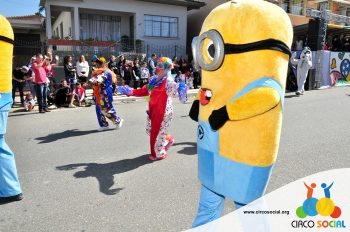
[323, 206]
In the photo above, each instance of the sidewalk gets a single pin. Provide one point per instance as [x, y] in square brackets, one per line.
[122, 98]
[116, 98]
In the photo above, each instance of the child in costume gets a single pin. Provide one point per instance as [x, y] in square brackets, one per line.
[161, 89]
[29, 102]
[239, 113]
[304, 64]
[103, 95]
[10, 189]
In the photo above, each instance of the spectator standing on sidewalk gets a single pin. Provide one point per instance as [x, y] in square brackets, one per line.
[121, 66]
[31, 77]
[113, 66]
[136, 73]
[19, 76]
[82, 69]
[127, 70]
[39, 69]
[152, 64]
[175, 70]
[196, 76]
[93, 63]
[50, 65]
[69, 72]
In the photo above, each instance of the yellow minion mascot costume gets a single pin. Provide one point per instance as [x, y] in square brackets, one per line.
[243, 50]
[10, 189]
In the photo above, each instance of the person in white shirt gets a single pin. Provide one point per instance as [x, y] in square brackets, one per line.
[299, 44]
[82, 67]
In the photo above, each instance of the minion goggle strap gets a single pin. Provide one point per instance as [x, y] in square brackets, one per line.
[216, 49]
[7, 40]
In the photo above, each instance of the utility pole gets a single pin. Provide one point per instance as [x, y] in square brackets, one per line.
[324, 15]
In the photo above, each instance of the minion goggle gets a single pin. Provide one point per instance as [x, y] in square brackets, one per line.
[7, 40]
[213, 54]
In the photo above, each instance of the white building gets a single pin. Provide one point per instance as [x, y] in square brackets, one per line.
[161, 24]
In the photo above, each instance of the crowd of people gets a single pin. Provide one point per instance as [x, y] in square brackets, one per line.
[338, 43]
[39, 78]
[333, 43]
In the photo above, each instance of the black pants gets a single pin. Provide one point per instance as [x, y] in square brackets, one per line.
[127, 81]
[143, 82]
[196, 80]
[136, 84]
[82, 79]
[20, 86]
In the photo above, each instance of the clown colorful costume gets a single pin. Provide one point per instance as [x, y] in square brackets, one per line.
[161, 89]
[239, 113]
[10, 189]
[103, 97]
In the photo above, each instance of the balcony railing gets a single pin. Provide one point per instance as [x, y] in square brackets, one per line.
[127, 47]
[296, 9]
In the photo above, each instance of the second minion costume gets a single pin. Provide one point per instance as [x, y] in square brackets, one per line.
[10, 189]
[243, 51]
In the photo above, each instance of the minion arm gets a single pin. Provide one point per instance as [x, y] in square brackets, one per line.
[250, 104]
[246, 106]
[194, 111]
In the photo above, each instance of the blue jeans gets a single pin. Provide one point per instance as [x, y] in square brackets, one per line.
[41, 95]
[9, 183]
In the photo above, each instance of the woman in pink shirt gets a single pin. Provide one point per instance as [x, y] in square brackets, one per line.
[39, 68]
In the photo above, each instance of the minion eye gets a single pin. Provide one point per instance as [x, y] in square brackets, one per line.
[211, 51]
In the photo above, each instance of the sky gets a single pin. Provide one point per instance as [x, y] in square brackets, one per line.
[18, 7]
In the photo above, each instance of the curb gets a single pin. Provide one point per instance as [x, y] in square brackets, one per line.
[116, 99]
[124, 98]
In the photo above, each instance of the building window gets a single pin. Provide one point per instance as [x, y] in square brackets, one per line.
[56, 33]
[70, 31]
[293, 6]
[100, 27]
[161, 26]
[61, 30]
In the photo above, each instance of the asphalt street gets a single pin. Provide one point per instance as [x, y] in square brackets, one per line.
[75, 178]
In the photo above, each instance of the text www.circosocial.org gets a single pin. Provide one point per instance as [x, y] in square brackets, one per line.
[286, 212]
